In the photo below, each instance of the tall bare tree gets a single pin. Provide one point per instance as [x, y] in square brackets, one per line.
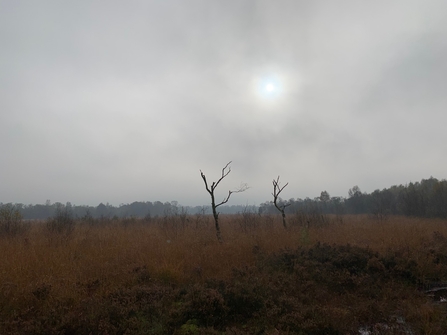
[282, 206]
[225, 171]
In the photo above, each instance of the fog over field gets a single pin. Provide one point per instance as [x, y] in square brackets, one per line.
[126, 101]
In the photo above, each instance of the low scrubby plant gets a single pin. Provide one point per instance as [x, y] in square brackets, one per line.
[63, 222]
[11, 223]
[248, 220]
[88, 218]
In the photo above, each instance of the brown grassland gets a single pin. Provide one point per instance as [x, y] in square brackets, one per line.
[171, 276]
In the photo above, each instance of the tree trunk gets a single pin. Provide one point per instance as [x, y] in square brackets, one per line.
[216, 218]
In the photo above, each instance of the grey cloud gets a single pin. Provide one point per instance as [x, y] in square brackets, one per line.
[127, 101]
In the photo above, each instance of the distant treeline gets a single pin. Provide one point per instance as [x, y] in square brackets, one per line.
[427, 198]
[146, 210]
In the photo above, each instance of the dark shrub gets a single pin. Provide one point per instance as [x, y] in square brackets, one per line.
[62, 223]
[206, 305]
[11, 223]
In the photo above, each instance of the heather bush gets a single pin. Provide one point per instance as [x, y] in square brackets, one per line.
[205, 305]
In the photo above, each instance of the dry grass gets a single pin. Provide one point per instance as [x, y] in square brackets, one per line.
[37, 269]
[110, 251]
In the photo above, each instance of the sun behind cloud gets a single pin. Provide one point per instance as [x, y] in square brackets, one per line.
[269, 87]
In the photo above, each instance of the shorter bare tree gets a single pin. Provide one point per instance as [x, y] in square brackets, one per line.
[280, 207]
[225, 171]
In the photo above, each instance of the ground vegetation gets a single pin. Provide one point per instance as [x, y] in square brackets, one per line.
[324, 274]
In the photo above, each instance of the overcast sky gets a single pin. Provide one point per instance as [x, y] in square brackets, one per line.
[122, 101]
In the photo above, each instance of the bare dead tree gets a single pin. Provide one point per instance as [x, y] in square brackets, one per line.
[281, 207]
[225, 171]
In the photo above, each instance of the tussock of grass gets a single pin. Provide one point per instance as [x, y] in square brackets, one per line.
[170, 276]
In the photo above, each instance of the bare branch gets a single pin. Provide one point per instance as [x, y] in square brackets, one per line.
[229, 169]
[242, 188]
[276, 191]
[225, 171]
[224, 201]
[224, 174]
[276, 188]
[204, 180]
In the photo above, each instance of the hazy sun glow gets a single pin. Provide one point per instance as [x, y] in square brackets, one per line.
[269, 87]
